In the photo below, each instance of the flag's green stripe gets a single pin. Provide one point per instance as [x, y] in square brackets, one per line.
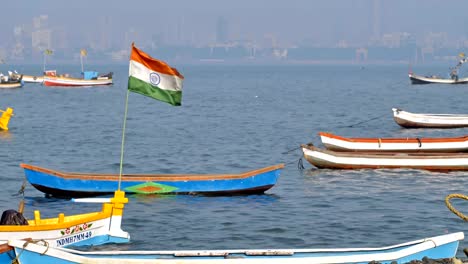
[138, 86]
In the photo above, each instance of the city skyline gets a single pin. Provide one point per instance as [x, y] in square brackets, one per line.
[104, 27]
[324, 22]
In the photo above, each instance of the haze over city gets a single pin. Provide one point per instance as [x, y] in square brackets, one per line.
[111, 26]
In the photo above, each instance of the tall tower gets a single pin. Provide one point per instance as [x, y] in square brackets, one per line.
[222, 30]
[376, 19]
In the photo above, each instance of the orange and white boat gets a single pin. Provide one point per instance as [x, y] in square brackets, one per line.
[338, 143]
[90, 78]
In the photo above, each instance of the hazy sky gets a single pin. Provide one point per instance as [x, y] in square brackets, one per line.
[289, 21]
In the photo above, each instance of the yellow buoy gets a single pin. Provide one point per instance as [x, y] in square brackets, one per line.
[5, 118]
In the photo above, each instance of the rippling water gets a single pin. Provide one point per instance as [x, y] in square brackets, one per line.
[233, 119]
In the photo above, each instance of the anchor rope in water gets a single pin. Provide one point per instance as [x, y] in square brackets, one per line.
[362, 122]
[451, 208]
[300, 164]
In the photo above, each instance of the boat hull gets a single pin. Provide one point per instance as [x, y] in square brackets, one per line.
[411, 120]
[418, 79]
[337, 143]
[33, 79]
[441, 247]
[62, 184]
[94, 228]
[74, 82]
[11, 85]
[378, 160]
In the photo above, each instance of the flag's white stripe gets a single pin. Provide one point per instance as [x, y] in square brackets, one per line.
[167, 82]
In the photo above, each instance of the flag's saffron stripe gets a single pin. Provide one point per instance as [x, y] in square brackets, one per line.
[153, 64]
[169, 96]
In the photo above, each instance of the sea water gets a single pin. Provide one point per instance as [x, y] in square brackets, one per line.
[236, 118]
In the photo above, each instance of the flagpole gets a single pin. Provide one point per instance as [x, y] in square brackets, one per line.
[123, 139]
[81, 58]
[44, 61]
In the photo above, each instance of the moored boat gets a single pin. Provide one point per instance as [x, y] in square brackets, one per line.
[411, 120]
[454, 78]
[90, 78]
[377, 160]
[419, 79]
[25, 78]
[33, 78]
[438, 247]
[69, 184]
[93, 228]
[338, 143]
[7, 82]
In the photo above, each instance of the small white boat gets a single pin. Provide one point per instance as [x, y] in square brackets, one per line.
[439, 247]
[338, 143]
[454, 78]
[419, 79]
[378, 160]
[33, 79]
[9, 82]
[411, 120]
[25, 78]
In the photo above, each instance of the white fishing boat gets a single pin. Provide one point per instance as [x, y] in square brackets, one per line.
[419, 79]
[9, 82]
[454, 77]
[378, 160]
[411, 120]
[88, 79]
[25, 78]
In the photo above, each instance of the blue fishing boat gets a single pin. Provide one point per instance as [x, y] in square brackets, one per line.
[69, 184]
[439, 247]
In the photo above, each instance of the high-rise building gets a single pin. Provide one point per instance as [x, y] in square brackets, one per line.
[376, 19]
[40, 21]
[41, 39]
[222, 30]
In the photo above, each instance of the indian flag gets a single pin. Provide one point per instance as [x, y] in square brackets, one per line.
[154, 78]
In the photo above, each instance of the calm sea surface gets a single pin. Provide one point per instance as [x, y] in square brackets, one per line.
[234, 119]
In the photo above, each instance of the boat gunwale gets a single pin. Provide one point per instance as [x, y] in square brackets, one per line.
[391, 252]
[387, 154]
[394, 140]
[151, 177]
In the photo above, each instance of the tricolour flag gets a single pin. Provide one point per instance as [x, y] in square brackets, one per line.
[154, 78]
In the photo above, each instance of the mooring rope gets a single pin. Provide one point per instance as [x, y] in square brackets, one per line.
[451, 208]
[365, 121]
[45, 243]
[300, 165]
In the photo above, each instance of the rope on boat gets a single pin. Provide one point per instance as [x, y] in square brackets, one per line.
[291, 150]
[365, 121]
[451, 208]
[45, 243]
[419, 142]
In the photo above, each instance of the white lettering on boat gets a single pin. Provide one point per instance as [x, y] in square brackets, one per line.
[73, 239]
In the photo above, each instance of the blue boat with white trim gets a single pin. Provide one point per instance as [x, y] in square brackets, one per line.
[439, 247]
